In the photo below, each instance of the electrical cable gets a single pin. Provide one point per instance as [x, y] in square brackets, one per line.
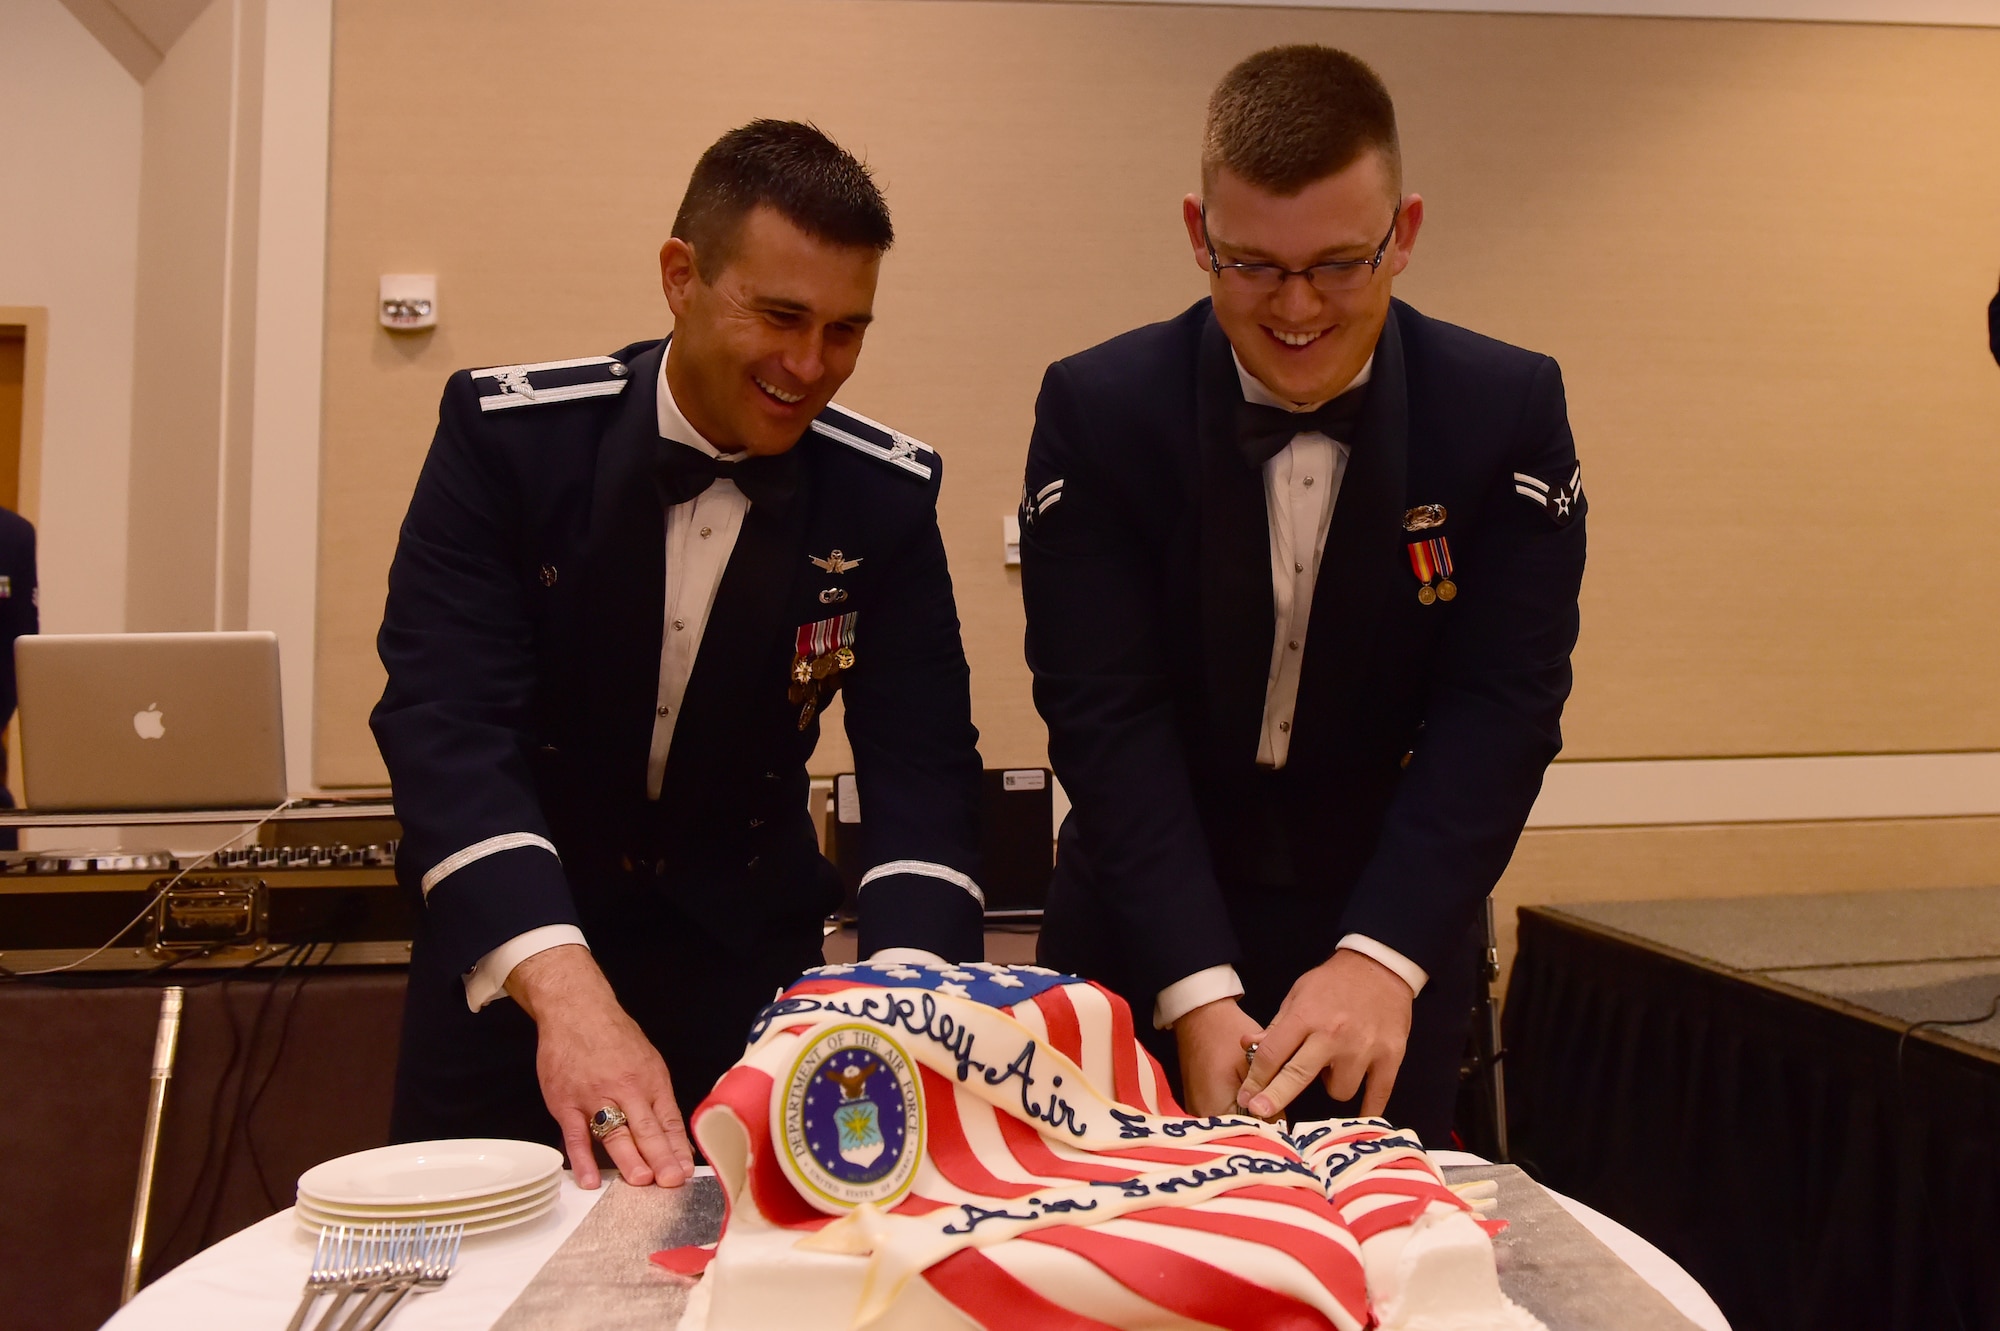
[215, 1139]
[1918, 1175]
[1992, 1011]
[307, 969]
[295, 960]
[247, 1067]
[151, 905]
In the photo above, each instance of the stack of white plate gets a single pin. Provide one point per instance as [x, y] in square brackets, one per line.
[482, 1183]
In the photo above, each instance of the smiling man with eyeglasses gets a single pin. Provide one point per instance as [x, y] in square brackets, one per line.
[1301, 570]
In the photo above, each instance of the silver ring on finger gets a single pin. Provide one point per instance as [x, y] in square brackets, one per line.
[606, 1121]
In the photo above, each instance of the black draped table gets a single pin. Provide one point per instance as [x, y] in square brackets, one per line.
[1767, 1089]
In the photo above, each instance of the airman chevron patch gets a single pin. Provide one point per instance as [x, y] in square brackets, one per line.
[1033, 506]
[1561, 502]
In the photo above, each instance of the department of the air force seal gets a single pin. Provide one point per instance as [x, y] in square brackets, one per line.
[850, 1123]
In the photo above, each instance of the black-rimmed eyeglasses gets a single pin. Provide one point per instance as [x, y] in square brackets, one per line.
[1326, 278]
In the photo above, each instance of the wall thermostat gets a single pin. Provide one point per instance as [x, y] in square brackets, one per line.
[409, 301]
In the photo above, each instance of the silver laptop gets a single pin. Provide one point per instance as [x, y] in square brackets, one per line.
[130, 721]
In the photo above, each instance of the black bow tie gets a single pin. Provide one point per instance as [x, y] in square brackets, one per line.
[686, 471]
[1262, 432]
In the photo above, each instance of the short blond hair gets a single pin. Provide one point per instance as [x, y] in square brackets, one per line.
[1292, 115]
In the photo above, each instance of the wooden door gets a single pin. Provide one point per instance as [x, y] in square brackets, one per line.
[13, 398]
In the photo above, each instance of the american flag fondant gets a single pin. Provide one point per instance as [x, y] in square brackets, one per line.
[908, 1146]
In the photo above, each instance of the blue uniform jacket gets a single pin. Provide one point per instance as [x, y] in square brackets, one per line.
[1422, 730]
[522, 642]
[19, 615]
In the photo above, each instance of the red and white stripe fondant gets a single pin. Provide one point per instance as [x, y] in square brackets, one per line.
[1076, 1194]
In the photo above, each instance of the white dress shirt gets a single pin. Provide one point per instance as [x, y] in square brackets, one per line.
[1301, 482]
[701, 534]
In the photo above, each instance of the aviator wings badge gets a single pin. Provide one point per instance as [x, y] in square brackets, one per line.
[835, 563]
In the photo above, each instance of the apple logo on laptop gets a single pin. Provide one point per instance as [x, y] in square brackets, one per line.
[150, 723]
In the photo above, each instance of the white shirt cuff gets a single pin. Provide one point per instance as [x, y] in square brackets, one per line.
[487, 980]
[908, 954]
[1408, 971]
[1197, 990]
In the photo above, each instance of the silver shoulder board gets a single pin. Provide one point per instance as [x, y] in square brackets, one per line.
[875, 439]
[505, 386]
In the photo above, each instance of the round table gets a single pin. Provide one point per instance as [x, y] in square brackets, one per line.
[252, 1279]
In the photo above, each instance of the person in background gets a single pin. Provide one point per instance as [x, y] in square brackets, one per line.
[1993, 326]
[20, 614]
[1301, 570]
[626, 589]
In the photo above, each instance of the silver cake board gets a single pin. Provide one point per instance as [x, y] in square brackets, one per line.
[600, 1280]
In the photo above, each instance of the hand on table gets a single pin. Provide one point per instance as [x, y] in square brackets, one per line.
[1211, 1039]
[1348, 1020]
[589, 1054]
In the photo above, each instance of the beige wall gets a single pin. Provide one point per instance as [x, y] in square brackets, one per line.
[69, 223]
[1761, 252]
[221, 529]
[178, 387]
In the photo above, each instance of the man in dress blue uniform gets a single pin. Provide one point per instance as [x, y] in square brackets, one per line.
[1993, 326]
[1301, 571]
[626, 587]
[20, 614]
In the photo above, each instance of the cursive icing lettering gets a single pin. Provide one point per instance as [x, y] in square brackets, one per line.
[1057, 1113]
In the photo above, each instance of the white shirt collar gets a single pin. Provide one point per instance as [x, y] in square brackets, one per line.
[674, 423]
[1255, 392]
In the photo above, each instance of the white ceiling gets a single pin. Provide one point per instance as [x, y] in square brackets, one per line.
[138, 33]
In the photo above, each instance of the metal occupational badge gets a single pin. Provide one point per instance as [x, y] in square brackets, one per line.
[1431, 562]
[850, 1120]
[835, 563]
[1424, 517]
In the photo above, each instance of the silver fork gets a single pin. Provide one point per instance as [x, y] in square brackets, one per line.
[329, 1257]
[437, 1258]
[374, 1250]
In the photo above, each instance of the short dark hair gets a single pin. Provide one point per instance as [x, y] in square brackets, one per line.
[811, 181]
[1292, 115]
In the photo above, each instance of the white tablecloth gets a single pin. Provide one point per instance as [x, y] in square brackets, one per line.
[252, 1280]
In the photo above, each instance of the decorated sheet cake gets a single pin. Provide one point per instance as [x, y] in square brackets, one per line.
[908, 1147]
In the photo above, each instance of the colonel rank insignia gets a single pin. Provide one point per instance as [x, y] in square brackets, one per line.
[823, 651]
[1561, 502]
[851, 1120]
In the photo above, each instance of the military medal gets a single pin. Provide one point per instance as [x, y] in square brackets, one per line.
[823, 650]
[1431, 561]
